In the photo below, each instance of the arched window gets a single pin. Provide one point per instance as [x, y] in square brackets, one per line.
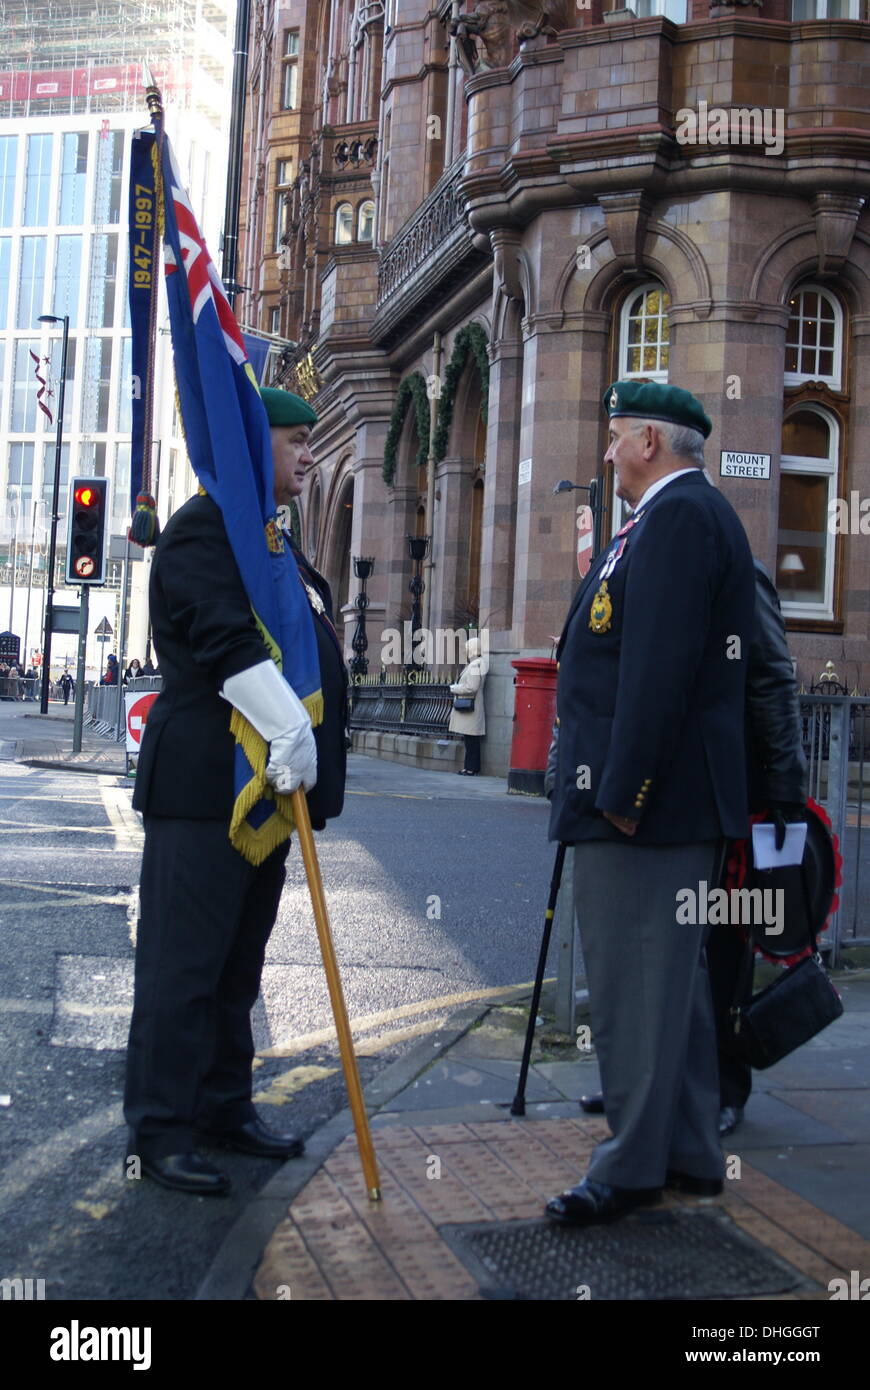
[807, 488]
[643, 338]
[343, 224]
[365, 222]
[814, 338]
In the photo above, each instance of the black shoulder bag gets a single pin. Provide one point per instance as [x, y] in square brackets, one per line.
[765, 1027]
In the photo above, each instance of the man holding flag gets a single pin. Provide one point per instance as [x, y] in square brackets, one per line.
[252, 707]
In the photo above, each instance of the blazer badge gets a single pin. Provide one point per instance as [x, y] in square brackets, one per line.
[274, 539]
[601, 610]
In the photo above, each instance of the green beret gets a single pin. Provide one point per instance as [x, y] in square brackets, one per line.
[653, 400]
[283, 408]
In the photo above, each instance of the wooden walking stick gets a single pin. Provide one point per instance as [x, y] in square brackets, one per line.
[336, 995]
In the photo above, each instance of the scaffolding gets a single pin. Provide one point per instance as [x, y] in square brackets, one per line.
[70, 56]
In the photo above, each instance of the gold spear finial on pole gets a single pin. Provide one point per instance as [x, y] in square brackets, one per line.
[152, 92]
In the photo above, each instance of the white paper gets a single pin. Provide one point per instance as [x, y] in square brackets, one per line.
[764, 850]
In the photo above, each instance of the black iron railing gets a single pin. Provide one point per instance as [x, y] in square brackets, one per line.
[402, 702]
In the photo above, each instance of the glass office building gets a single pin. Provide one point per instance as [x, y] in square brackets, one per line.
[70, 98]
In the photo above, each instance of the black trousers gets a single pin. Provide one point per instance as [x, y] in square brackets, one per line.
[472, 751]
[206, 916]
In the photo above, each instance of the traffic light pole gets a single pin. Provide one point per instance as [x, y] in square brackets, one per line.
[78, 715]
[52, 548]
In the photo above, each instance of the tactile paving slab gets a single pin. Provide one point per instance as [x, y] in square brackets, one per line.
[681, 1254]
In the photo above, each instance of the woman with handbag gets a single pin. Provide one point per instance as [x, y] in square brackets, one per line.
[467, 716]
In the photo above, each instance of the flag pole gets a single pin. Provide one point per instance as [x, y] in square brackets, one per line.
[336, 995]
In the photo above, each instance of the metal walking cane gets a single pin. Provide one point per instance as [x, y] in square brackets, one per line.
[519, 1102]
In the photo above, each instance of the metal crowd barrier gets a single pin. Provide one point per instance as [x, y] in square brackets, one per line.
[104, 708]
[835, 730]
[19, 687]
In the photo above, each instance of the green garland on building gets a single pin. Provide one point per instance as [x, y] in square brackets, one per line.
[472, 338]
[412, 388]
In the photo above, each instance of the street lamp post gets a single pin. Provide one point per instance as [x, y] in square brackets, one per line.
[596, 507]
[418, 547]
[362, 568]
[55, 494]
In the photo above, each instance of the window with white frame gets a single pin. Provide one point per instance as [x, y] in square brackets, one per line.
[807, 489]
[283, 173]
[282, 214]
[813, 338]
[825, 9]
[343, 224]
[674, 10]
[290, 71]
[644, 341]
[365, 222]
[644, 345]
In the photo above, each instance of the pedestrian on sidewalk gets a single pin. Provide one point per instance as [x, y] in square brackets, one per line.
[650, 780]
[468, 717]
[213, 863]
[67, 685]
[110, 676]
[133, 671]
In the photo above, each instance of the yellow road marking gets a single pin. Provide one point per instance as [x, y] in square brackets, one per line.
[292, 1046]
[289, 1083]
[127, 826]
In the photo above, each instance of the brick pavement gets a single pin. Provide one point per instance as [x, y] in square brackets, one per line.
[452, 1164]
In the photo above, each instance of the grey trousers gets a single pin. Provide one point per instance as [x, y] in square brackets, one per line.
[651, 1010]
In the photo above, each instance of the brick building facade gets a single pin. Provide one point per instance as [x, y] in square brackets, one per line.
[479, 232]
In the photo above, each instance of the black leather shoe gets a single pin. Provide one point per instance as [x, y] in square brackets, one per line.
[188, 1172]
[592, 1105]
[592, 1203]
[695, 1187]
[729, 1118]
[254, 1138]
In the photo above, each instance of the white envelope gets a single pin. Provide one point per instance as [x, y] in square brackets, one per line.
[764, 845]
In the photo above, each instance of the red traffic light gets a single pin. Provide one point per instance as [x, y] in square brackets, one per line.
[86, 496]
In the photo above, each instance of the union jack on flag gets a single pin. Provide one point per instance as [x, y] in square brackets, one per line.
[227, 435]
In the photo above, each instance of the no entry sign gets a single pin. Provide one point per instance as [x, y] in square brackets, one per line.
[136, 708]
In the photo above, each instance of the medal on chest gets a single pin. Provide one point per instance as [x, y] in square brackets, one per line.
[314, 598]
[601, 611]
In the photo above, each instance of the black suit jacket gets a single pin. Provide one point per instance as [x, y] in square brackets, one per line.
[653, 707]
[204, 632]
[777, 768]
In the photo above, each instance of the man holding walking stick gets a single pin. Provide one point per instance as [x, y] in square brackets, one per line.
[649, 782]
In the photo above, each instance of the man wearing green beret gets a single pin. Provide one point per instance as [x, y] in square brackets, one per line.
[206, 912]
[649, 783]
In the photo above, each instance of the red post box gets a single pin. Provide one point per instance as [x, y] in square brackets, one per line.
[534, 713]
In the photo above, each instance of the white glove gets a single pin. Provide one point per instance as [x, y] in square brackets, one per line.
[268, 703]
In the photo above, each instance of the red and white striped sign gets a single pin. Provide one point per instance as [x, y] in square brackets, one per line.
[585, 527]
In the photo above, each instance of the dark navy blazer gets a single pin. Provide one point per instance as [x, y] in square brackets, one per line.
[651, 711]
[204, 632]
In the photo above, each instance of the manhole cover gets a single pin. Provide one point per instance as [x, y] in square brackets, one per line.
[649, 1255]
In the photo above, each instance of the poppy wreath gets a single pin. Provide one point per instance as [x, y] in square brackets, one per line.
[738, 866]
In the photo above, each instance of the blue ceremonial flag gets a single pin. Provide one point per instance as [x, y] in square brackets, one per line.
[227, 434]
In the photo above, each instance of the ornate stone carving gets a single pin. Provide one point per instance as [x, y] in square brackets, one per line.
[490, 35]
[836, 217]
